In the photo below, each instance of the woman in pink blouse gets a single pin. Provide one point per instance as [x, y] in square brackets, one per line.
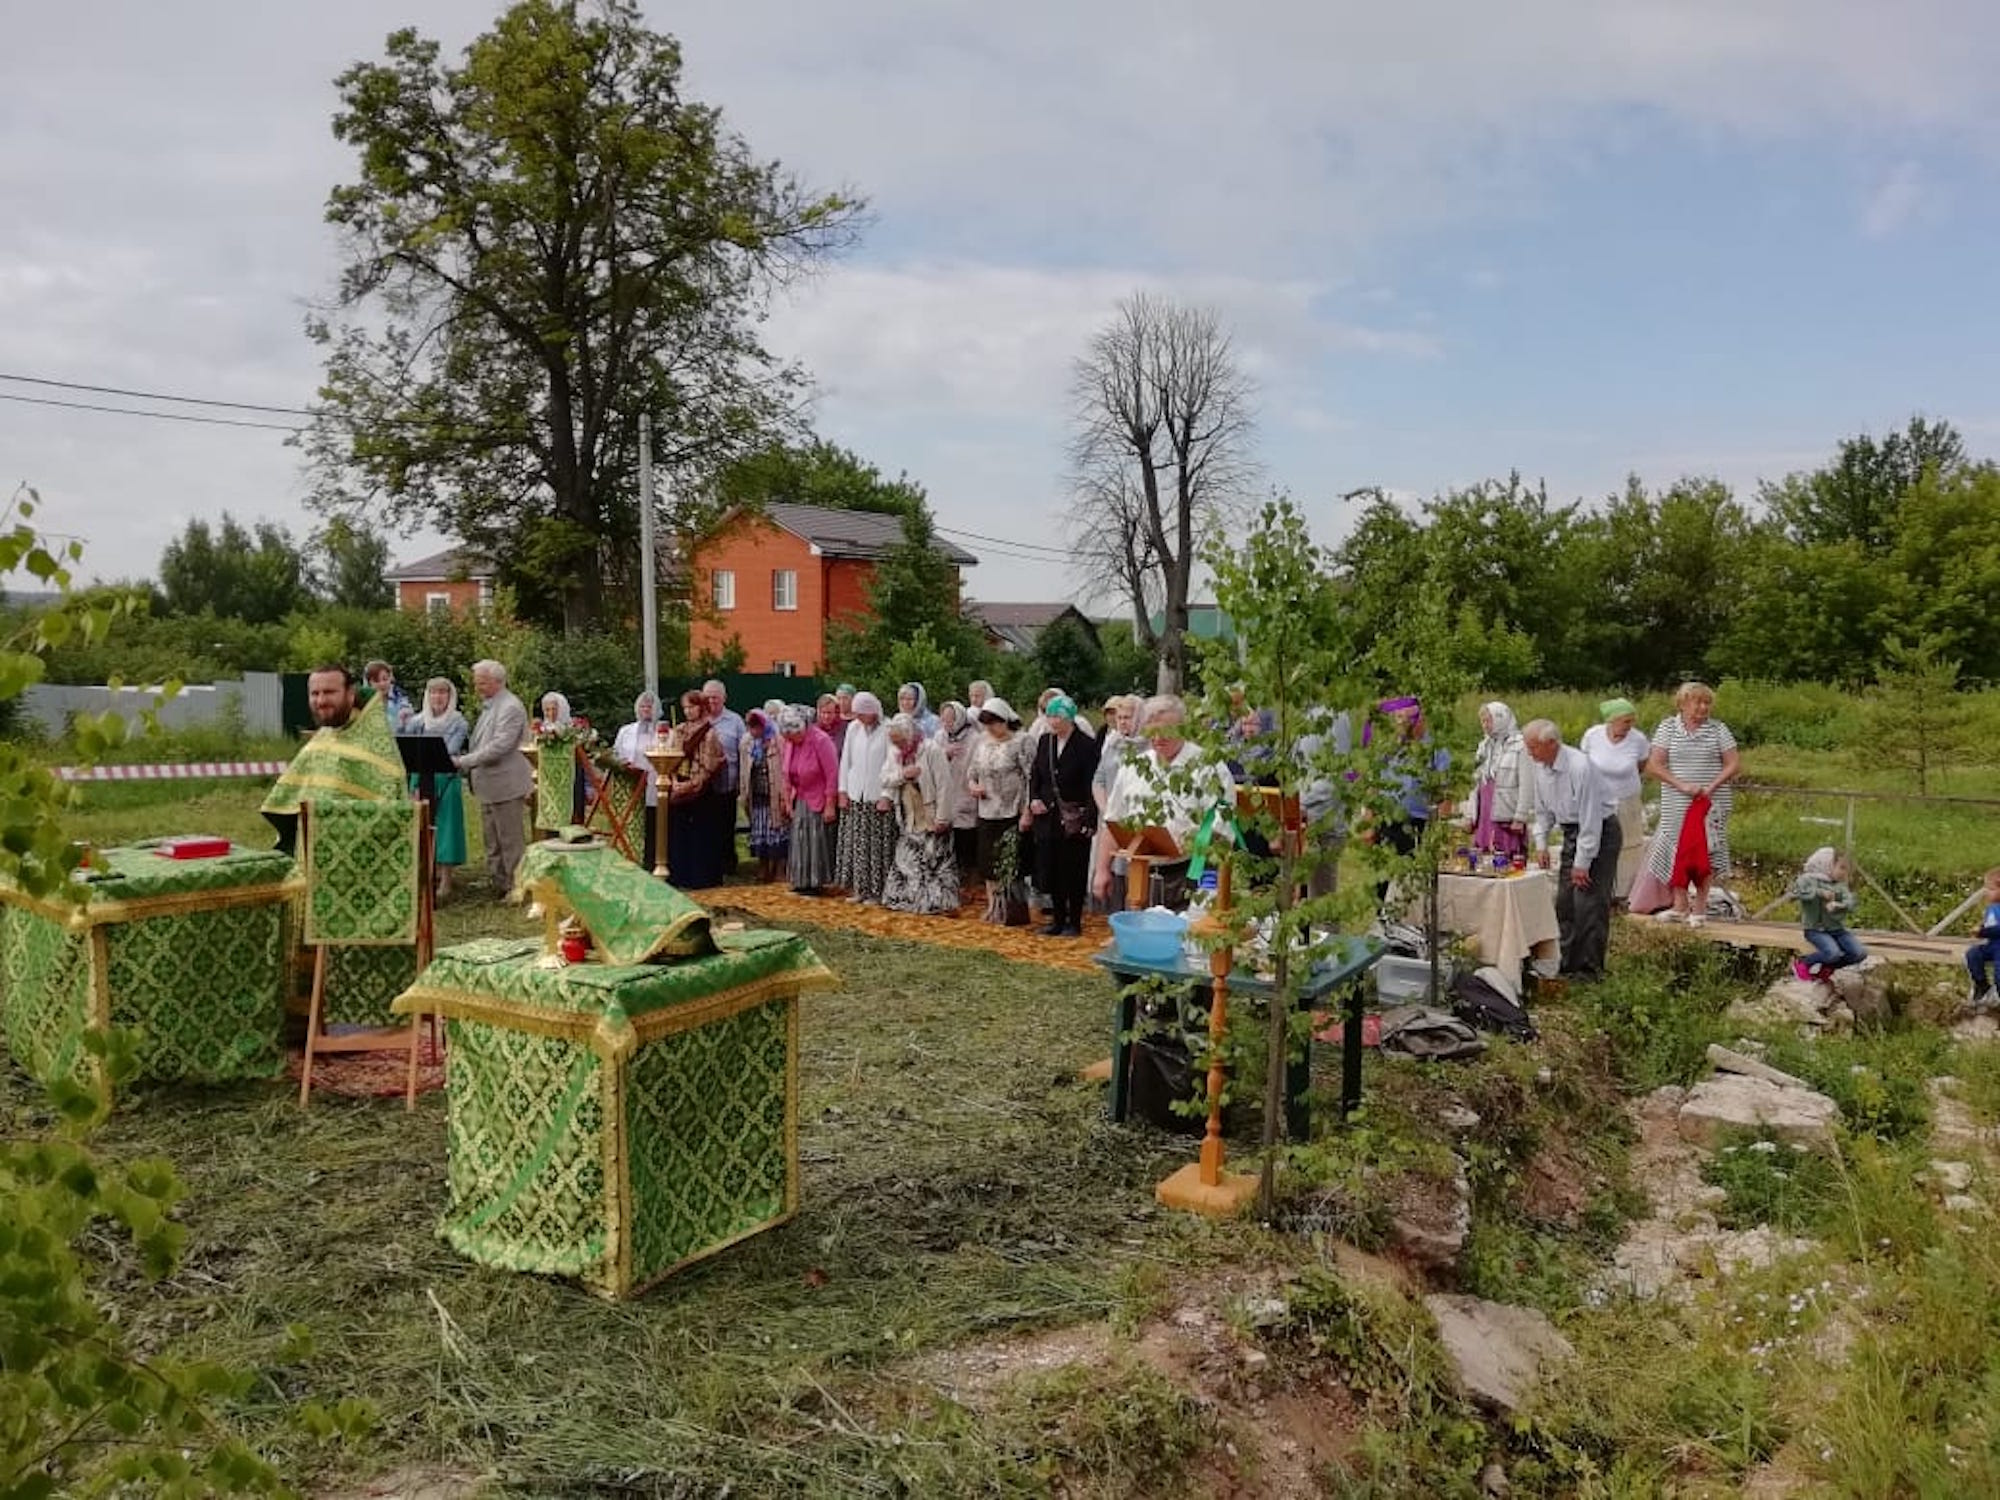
[812, 776]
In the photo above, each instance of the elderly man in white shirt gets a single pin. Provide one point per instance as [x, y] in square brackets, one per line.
[1571, 794]
[1142, 778]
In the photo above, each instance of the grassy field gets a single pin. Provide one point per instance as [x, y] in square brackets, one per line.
[967, 1208]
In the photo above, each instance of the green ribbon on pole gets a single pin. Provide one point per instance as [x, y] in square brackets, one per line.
[1205, 835]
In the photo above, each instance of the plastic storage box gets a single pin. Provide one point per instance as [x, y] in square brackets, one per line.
[1402, 981]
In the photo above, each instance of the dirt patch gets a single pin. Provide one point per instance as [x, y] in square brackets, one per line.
[1283, 1431]
[1555, 1185]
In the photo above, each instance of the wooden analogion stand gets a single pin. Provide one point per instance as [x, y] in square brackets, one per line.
[1202, 1186]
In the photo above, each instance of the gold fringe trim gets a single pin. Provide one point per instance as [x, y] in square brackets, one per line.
[83, 918]
[613, 1041]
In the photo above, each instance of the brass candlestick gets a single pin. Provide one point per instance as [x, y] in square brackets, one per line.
[665, 757]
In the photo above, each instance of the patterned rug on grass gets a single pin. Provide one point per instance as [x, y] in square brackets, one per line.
[779, 905]
[371, 1075]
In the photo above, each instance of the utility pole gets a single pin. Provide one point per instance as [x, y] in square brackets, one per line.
[649, 592]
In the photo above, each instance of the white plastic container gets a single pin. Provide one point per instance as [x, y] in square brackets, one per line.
[1402, 981]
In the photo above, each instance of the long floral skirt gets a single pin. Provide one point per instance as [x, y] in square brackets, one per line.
[923, 875]
[866, 846]
[768, 837]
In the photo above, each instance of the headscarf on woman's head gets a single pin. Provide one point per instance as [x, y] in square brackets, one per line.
[758, 724]
[1387, 706]
[436, 723]
[792, 719]
[562, 714]
[923, 705]
[1820, 862]
[866, 702]
[1502, 717]
[1617, 708]
[903, 727]
[954, 718]
[1062, 706]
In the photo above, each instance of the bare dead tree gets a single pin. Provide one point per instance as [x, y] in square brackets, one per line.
[1160, 456]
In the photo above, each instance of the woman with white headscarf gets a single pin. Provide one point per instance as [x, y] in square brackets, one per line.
[957, 736]
[916, 776]
[910, 700]
[867, 836]
[441, 717]
[1503, 784]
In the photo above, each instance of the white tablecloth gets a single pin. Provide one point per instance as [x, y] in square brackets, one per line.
[1509, 918]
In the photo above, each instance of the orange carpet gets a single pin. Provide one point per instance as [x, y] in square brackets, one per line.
[370, 1075]
[778, 905]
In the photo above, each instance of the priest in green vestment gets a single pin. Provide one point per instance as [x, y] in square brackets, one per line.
[352, 754]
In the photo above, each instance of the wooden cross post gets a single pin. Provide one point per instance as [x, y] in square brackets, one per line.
[1202, 1186]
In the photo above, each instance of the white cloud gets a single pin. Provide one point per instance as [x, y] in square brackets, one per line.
[1029, 164]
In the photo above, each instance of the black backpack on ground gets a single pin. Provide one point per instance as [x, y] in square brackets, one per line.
[1478, 1003]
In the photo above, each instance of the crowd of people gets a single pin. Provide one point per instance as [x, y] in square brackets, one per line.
[913, 809]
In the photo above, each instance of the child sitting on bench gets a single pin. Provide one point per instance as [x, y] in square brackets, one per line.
[1824, 905]
[1983, 957]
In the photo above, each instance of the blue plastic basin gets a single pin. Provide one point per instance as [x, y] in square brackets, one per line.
[1148, 937]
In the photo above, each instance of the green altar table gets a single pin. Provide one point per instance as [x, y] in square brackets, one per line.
[193, 953]
[614, 1122]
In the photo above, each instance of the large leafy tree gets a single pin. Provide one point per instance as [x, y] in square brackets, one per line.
[815, 472]
[235, 572]
[351, 564]
[1855, 498]
[544, 241]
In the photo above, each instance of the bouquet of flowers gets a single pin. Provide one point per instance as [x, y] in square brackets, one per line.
[576, 732]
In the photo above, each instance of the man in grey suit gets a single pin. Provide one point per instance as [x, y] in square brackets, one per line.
[501, 778]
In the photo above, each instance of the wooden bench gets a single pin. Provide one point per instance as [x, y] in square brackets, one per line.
[1895, 947]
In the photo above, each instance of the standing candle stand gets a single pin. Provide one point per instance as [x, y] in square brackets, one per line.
[1202, 1186]
[665, 757]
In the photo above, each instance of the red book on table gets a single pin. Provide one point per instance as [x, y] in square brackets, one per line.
[199, 846]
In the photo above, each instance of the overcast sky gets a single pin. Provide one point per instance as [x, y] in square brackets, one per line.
[1575, 237]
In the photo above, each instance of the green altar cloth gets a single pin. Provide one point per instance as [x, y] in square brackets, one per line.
[629, 915]
[555, 785]
[616, 1122]
[193, 953]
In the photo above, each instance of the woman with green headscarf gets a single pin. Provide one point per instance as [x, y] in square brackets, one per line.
[1618, 748]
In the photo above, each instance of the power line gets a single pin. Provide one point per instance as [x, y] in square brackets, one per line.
[161, 416]
[1001, 541]
[113, 390]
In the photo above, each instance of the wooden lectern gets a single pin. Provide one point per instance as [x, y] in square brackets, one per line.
[1142, 846]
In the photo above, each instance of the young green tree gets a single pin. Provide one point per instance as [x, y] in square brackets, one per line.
[543, 241]
[1917, 722]
[1295, 664]
[915, 588]
[1068, 656]
[83, 1411]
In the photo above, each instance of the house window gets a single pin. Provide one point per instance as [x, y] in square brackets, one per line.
[724, 585]
[785, 668]
[437, 604]
[784, 588]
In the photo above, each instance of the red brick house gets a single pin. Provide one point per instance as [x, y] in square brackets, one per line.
[454, 581]
[776, 579]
